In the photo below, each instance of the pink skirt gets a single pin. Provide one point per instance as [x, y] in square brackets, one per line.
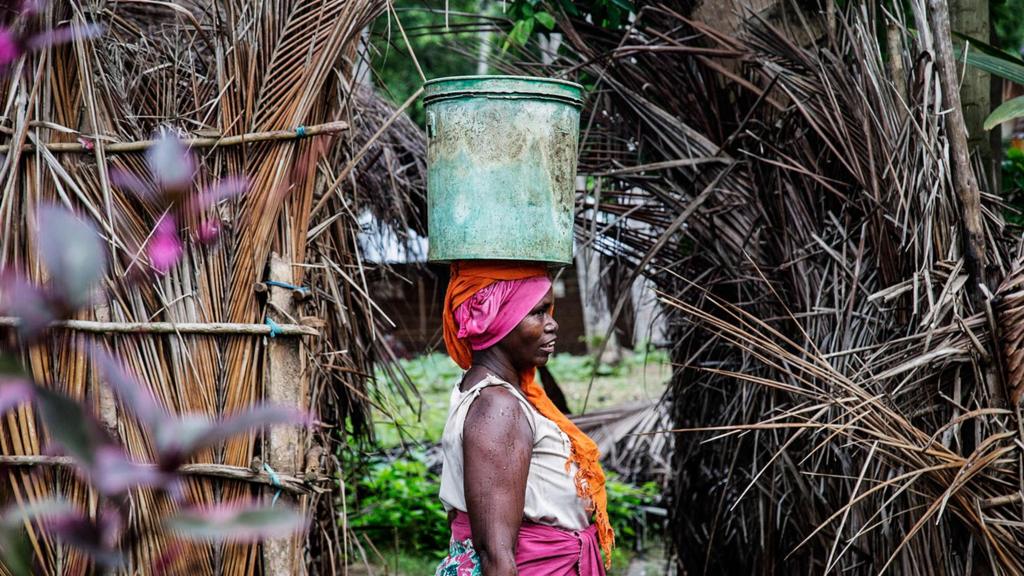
[540, 551]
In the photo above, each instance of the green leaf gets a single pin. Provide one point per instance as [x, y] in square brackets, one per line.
[527, 31]
[16, 551]
[991, 60]
[11, 368]
[546, 20]
[612, 18]
[71, 426]
[624, 5]
[527, 11]
[569, 7]
[977, 44]
[520, 33]
[513, 35]
[1009, 110]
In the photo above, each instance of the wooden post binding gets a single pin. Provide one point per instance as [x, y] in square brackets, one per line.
[286, 385]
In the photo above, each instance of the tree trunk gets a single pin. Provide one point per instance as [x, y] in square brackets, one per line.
[597, 314]
[649, 322]
[483, 49]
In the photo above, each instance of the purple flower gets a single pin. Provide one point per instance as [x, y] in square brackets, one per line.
[237, 522]
[165, 246]
[13, 391]
[10, 48]
[27, 302]
[13, 46]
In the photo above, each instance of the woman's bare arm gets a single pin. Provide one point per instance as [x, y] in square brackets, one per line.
[497, 444]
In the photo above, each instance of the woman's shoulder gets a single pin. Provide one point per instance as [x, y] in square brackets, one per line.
[482, 395]
[496, 401]
[477, 377]
[496, 415]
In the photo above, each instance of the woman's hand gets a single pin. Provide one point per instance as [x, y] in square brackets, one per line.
[497, 443]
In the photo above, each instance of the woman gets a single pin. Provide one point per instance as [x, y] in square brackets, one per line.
[520, 482]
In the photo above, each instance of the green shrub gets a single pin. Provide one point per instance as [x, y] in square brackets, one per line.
[432, 372]
[566, 367]
[625, 509]
[1013, 185]
[398, 500]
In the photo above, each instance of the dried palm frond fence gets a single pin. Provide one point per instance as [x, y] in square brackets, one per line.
[262, 90]
[845, 382]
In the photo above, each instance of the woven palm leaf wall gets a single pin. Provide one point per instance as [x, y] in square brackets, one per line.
[216, 68]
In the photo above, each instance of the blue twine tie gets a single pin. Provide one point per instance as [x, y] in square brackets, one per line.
[286, 285]
[300, 132]
[275, 328]
[275, 480]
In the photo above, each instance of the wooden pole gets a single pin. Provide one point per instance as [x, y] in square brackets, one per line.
[105, 396]
[286, 385]
[964, 180]
[214, 328]
[87, 145]
[973, 18]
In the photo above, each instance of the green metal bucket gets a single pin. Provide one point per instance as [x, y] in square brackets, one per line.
[501, 167]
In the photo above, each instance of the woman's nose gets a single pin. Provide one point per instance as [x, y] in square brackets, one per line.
[551, 326]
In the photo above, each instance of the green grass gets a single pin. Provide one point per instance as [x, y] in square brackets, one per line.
[638, 377]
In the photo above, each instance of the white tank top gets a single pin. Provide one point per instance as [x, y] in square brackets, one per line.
[550, 490]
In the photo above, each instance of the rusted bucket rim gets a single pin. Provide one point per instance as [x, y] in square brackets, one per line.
[497, 86]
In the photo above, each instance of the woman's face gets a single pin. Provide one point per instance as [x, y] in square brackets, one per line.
[532, 341]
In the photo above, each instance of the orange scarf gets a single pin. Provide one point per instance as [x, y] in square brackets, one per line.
[467, 278]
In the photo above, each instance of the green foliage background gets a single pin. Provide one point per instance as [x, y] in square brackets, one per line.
[395, 72]
[1008, 24]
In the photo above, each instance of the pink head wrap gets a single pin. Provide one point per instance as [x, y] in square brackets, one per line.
[491, 313]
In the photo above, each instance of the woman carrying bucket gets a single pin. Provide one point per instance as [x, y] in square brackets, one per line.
[522, 484]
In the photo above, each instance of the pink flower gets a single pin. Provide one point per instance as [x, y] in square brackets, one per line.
[165, 247]
[223, 189]
[208, 231]
[10, 48]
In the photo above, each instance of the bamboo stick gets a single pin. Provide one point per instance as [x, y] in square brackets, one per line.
[196, 142]
[284, 482]
[212, 328]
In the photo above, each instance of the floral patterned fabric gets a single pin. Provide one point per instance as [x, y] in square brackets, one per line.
[540, 551]
[461, 560]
